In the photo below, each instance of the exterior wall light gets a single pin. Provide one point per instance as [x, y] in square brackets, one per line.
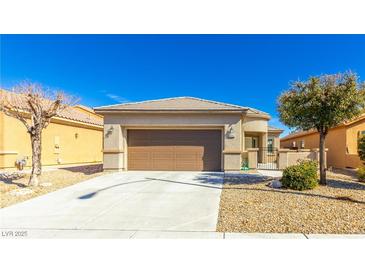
[109, 131]
[230, 133]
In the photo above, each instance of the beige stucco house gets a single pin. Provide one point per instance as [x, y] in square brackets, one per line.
[183, 133]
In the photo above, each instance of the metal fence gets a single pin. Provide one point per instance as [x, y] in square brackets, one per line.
[268, 158]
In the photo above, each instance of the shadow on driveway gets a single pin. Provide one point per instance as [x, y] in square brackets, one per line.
[208, 180]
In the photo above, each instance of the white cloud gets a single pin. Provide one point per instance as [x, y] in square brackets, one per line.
[117, 98]
[114, 97]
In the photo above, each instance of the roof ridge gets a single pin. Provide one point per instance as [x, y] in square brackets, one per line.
[140, 102]
[227, 104]
[215, 102]
[183, 97]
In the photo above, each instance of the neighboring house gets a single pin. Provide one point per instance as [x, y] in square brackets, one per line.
[182, 133]
[73, 137]
[341, 141]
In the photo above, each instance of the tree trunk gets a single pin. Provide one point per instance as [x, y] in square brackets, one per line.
[36, 140]
[322, 158]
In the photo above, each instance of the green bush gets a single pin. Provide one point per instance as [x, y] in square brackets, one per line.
[361, 174]
[301, 176]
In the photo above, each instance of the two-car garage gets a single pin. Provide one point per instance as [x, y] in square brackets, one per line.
[177, 134]
[177, 150]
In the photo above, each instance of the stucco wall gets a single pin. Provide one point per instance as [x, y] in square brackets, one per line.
[336, 142]
[352, 135]
[287, 157]
[116, 142]
[86, 148]
[254, 124]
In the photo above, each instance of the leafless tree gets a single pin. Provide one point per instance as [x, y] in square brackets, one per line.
[34, 106]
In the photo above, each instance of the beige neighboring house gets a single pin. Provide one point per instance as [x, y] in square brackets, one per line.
[341, 142]
[183, 133]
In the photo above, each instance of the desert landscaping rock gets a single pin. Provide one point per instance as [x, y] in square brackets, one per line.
[275, 184]
[49, 181]
[21, 192]
[250, 206]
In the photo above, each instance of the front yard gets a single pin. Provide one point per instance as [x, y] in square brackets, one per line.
[249, 205]
[14, 190]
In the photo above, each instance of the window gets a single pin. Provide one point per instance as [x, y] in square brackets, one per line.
[302, 144]
[270, 144]
[254, 142]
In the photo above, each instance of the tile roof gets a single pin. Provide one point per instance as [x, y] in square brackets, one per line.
[70, 113]
[311, 131]
[298, 133]
[179, 104]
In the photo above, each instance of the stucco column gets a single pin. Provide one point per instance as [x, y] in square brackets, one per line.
[316, 151]
[263, 145]
[283, 158]
[252, 157]
[243, 147]
[113, 147]
[232, 159]
[276, 142]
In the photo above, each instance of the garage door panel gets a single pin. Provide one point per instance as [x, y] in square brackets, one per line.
[140, 165]
[187, 157]
[186, 166]
[140, 155]
[174, 150]
[162, 165]
[168, 156]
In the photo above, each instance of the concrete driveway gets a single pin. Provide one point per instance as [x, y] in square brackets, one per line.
[122, 205]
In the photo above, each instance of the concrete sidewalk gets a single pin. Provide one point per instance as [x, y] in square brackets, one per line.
[148, 234]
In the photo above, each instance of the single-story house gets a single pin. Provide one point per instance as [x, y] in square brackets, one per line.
[182, 133]
[72, 138]
[341, 142]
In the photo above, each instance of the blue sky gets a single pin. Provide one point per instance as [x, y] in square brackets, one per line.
[248, 70]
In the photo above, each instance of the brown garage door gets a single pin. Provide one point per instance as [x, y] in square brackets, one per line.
[198, 150]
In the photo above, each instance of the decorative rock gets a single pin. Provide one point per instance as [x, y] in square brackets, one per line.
[275, 184]
[21, 192]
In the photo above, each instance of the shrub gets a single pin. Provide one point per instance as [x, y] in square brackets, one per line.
[361, 174]
[301, 176]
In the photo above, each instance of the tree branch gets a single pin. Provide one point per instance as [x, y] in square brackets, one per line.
[13, 111]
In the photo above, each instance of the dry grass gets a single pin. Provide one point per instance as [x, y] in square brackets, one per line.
[249, 205]
[57, 178]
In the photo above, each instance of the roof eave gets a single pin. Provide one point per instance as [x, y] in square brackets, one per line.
[275, 130]
[106, 111]
[259, 115]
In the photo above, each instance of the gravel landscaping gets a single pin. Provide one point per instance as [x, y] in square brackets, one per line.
[249, 205]
[14, 188]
